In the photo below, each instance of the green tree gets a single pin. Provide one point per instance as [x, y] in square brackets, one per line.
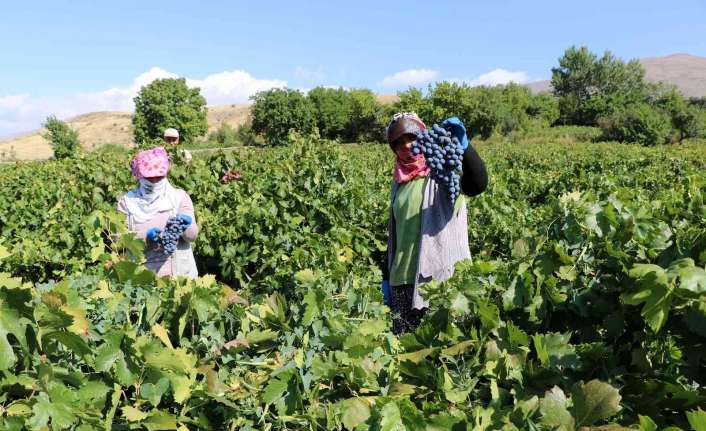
[411, 100]
[275, 112]
[590, 88]
[62, 138]
[367, 119]
[168, 103]
[687, 119]
[332, 110]
[544, 107]
[484, 110]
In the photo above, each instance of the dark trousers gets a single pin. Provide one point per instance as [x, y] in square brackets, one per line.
[404, 317]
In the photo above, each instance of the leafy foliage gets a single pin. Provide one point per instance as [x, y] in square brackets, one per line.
[590, 88]
[62, 138]
[484, 110]
[165, 103]
[583, 306]
[639, 123]
[275, 112]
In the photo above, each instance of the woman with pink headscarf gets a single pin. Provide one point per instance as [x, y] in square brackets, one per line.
[427, 232]
[148, 207]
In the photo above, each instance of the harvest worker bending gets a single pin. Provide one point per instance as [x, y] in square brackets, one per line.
[161, 215]
[428, 227]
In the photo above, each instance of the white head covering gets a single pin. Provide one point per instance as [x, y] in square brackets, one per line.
[149, 199]
[171, 133]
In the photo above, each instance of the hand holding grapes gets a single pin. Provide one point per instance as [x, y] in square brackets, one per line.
[173, 231]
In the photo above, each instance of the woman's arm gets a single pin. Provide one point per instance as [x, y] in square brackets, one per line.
[187, 207]
[474, 179]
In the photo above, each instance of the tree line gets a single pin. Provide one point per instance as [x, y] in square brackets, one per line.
[586, 90]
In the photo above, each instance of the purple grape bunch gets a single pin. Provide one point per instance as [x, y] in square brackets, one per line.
[169, 238]
[443, 154]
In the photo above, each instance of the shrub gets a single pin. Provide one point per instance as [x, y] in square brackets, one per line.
[224, 136]
[688, 120]
[62, 138]
[543, 107]
[332, 110]
[275, 112]
[642, 124]
[367, 119]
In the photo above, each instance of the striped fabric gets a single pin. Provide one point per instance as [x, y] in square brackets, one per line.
[444, 239]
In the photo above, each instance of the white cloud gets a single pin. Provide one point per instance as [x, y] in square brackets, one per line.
[498, 77]
[410, 77]
[24, 112]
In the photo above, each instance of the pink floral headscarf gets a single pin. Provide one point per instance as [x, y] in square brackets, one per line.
[150, 163]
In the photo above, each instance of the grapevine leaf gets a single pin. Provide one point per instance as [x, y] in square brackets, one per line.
[44, 409]
[697, 419]
[594, 401]
[653, 290]
[391, 418]
[554, 410]
[10, 324]
[133, 414]
[153, 392]
[647, 424]
[161, 333]
[276, 388]
[554, 350]
[312, 310]
[354, 411]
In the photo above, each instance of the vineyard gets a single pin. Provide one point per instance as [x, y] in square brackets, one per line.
[584, 304]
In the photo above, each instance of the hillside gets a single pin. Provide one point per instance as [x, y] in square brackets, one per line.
[686, 72]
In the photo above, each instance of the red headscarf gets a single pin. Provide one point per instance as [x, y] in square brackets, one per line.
[409, 166]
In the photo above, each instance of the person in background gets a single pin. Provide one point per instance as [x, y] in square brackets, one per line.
[148, 207]
[427, 233]
[171, 139]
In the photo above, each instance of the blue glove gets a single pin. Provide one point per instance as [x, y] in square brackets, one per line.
[386, 293]
[153, 234]
[185, 218]
[457, 129]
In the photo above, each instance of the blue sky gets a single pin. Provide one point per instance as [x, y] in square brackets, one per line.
[69, 57]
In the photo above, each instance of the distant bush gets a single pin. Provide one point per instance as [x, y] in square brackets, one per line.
[544, 107]
[367, 121]
[333, 108]
[485, 110]
[641, 124]
[688, 120]
[62, 138]
[224, 136]
[336, 113]
[245, 135]
[275, 112]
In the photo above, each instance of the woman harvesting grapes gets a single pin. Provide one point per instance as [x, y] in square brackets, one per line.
[428, 227]
[161, 215]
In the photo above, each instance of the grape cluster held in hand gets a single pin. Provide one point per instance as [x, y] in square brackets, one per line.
[169, 238]
[443, 154]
